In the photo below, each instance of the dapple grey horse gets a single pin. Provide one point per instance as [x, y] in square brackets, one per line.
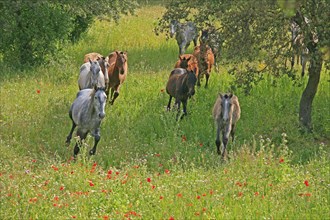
[91, 75]
[226, 112]
[184, 34]
[86, 113]
[299, 45]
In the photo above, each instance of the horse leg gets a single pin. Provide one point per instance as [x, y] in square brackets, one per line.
[184, 103]
[303, 64]
[115, 95]
[177, 102]
[225, 137]
[199, 78]
[217, 140]
[232, 133]
[169, 104]
[82, 136]
[207, 76]
[195, 41]
[97, 138]
[68, 138]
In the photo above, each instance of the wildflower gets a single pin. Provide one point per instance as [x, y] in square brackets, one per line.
[306, 183]
[183, 138]
[105, 217]
[308, 194]
[198, 197]
[62, 188]
[34, 160]
[204, 194]
[211, 192]
[240, 194]
[179, 195]
[38, 91]
[73, 216]
[281, 160]
[153, 187]
[256, 193]
[54, 168]
[201, 144]
[167, 171]
[157, 155]
[91, 183]
[204, 209]
[197, 214]
[161, 197]
[148, 180]
[56, 198]
[171, 218]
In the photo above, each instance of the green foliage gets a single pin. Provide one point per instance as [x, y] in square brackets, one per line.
[33, 31]
[147, 165]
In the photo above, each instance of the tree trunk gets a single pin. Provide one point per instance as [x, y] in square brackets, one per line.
[305, 111]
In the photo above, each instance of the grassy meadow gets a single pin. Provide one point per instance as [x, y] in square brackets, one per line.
[147, 165]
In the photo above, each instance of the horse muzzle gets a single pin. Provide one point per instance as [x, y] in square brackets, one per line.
[101, 115]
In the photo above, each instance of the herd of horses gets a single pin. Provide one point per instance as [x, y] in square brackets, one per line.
[101, 75]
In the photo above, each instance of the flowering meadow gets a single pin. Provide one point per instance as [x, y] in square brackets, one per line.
[147, 165]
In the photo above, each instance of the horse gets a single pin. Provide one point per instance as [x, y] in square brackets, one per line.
[211, 38]
[91, 75]
[298, 44]
[86, 113]
[181, 86]
[226, 113]
[184, 34]
[103, 61]
[205, 58]
[117, 71]
[187, 61]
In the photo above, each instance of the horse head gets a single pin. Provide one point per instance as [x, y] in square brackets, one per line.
[99, 100]
[173, 26]
[121, 61]
[94, 69]
[226, 103]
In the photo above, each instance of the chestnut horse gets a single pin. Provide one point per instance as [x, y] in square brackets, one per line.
[205, 58]
[188, 62]
[117, 71]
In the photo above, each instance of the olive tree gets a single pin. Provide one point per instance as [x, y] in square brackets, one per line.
[256, 38]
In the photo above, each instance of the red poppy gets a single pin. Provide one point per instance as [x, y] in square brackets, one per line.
[62, 188]
[38, 91]
[306, 183]
[204, 209]
[183, 138]
[201, 144]
[161, 197]
[281, 160]
[74, 216]
[148, 180]
[91, 183]
[56, 198]
[256, 193]
[240, 194]
[171, 218]
[179, 195]
[167, 171]
[153, 187]
[198, 197]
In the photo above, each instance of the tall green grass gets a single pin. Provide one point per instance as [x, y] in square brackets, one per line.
[264, 178]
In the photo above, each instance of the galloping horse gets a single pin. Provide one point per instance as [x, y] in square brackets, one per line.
[205, 58]
[117, 71]
[103, 61]
[211, 38]
[184, 34]
[226, 112]
[181, 86]
[91, 75]
[86, 113]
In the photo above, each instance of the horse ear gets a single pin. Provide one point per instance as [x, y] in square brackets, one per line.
[90, 61]
[230, 95]
[221, 95]
[188, 58]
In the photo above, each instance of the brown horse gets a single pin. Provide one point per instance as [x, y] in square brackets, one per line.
[117, 71]
[205, 58]
[189, 62]
[181, 86]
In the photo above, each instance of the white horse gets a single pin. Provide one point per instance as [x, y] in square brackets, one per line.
[86, 113]
[226, 112]
[91, 75]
